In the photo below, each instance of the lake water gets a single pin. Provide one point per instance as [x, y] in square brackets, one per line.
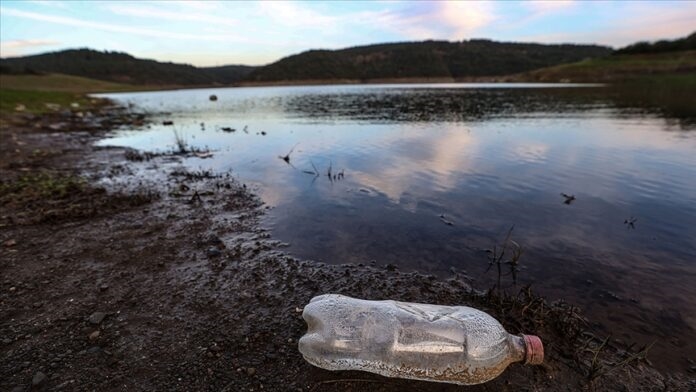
[427, 177]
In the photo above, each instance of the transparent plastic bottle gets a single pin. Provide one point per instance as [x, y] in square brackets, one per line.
[453, 344]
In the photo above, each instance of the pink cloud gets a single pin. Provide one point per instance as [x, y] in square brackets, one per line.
[452, 20]
[645, 22]
[17, 47]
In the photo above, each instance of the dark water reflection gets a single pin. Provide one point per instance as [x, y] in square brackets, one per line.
[483, 159]
[440, 105]
[456, 104]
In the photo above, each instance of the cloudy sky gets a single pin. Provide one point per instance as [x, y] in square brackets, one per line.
[259, 32]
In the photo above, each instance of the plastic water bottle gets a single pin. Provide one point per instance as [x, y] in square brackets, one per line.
[453, 344]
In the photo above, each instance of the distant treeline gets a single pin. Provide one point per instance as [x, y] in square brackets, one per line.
[662, 46]
[428, 59]
[475, 58]
[123, 68]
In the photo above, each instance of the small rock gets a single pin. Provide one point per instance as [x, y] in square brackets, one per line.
[39, 377]
[93, 350]
[94, 335]
[251, 371]
[104, 287]
[56, 126]
[214, 240]
[213, 252]
[6, 341]
[97, 317]
[10, 242]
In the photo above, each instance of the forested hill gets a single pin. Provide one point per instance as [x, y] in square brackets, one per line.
[428, 59]
[661, 46]
[123, 68]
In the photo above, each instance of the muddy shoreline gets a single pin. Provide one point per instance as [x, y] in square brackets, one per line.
[124, 271]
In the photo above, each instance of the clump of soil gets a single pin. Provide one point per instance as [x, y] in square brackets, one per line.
[186, 291]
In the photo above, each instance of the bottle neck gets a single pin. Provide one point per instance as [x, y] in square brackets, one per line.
[518, 349]
[527, 348]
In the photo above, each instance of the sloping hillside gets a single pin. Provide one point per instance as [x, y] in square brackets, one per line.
[428, 59]
[59, 82]
[661, 46]
[122, 68]
[618, 68]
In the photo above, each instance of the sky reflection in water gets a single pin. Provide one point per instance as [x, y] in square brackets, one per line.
[485, 158]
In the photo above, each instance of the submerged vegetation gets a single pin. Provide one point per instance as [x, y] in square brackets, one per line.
[497, 257]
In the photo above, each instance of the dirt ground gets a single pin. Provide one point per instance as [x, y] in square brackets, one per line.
[123, 271]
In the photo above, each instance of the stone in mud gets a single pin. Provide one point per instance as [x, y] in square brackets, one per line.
[213, 252]
[38, 379]
[97, 317]
[94, 350]
[214, 240]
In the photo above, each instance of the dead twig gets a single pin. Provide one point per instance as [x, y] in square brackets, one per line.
[568, 198]
[195, 198]
[496, 257]
[599, 369]
[630, 222]
[286, 157]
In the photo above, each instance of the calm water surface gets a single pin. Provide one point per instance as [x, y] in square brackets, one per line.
[479, 157]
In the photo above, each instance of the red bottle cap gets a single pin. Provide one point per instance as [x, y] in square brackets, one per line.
[534, 350]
